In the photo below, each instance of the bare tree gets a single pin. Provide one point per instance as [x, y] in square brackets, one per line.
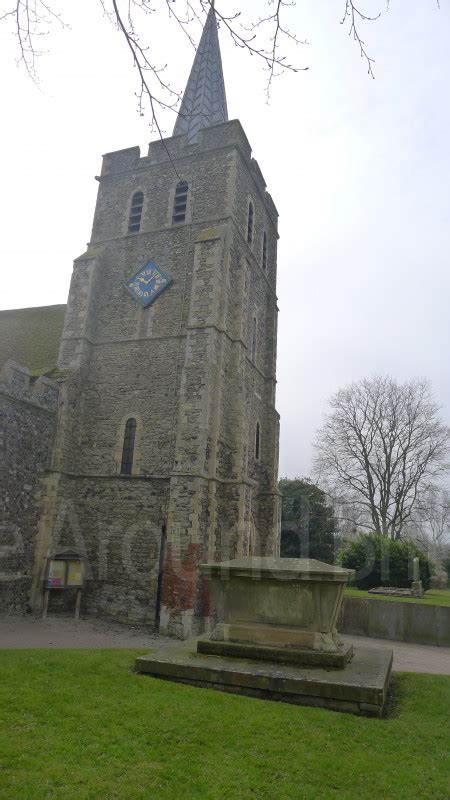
[349, 519]
[381, 444]
[430, 522]
[268, 37]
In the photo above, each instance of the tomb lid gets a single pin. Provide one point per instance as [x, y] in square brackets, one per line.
[301, 568]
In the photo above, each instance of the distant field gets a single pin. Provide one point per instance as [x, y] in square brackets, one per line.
[80, 724]
[434, 597]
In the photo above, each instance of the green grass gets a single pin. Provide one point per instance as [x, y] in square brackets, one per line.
[80, 724]
[434, 597]
[31, 336]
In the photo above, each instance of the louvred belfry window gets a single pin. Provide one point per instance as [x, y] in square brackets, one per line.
[254, 338]
[257, 441]
[137, 202]
[250, 223]
[180, 203]
[264, 252]
[126, 467]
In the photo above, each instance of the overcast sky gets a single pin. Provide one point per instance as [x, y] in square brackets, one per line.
[358, 168]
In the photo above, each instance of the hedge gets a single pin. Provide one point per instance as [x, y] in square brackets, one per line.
[381, 561]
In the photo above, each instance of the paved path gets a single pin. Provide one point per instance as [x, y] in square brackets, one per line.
[62, 632]
[66, 633]
[410, 657]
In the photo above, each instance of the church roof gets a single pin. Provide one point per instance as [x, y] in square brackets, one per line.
[204, 101]
[30, 336]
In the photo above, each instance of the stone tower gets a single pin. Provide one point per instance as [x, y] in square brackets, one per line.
[167, 442]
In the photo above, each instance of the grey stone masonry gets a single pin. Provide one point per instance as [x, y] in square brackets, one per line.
[27, 423]
[196, 370]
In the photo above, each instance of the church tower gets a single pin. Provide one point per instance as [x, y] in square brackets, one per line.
[166, 451]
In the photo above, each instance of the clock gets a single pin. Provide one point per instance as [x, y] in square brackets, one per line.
[147, 283]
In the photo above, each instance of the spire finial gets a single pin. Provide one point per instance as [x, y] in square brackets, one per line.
[204, 101]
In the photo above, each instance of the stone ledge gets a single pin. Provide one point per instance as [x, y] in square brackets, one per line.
[278, 655]
[359, 689]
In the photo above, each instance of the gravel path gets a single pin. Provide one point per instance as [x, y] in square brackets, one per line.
[65, 633]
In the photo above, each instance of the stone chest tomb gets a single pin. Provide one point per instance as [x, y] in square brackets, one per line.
[289, 604]
[275, 638]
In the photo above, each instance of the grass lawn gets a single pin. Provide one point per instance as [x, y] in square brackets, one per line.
[80, 724]
[434, 597]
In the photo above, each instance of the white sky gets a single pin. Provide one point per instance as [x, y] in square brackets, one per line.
[359, 170]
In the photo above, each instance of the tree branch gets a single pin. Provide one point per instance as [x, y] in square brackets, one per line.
[353, 15]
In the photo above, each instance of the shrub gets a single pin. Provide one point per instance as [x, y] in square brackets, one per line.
[381, 561]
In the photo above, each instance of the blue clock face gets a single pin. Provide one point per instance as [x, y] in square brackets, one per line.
[147, 284]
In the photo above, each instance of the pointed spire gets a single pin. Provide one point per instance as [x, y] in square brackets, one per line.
[204, 101]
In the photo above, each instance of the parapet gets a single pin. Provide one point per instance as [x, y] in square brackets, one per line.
[17, 381]
[161, 151]
[120, 160]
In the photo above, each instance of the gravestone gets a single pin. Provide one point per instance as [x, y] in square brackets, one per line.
[417, 588]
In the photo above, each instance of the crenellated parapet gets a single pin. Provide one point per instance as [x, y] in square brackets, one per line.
[17, 381]
[225, 135]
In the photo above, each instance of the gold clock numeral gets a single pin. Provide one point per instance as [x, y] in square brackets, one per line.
[148, 283]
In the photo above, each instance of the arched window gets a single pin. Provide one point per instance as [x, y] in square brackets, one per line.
[264, 252]
[126, 467]
[180, 202]
[257, 441]
[254, 338]
[250, 223]
[137, 202]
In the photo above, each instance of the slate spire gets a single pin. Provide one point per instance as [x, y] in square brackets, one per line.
[204, 101]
